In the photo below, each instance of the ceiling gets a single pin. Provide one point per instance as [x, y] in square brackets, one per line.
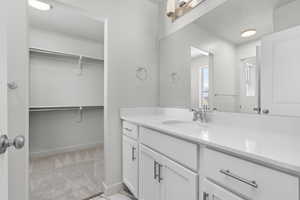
[68, 21]
[229, 19]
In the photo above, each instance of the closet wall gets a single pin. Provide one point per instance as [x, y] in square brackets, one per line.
[59, 86]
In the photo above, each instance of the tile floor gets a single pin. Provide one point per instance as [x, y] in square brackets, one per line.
[67, 176]
[113, 197]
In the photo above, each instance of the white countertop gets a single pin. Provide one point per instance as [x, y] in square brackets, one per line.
[277, 149]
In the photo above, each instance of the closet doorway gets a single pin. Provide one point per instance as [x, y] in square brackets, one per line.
[66, 120]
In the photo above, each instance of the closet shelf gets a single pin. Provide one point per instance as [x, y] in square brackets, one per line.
[36, 50]
[62, 108]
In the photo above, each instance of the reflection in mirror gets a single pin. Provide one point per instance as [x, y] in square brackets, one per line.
[234, 33]
[178, 8]
[199, 77]
[248, 90]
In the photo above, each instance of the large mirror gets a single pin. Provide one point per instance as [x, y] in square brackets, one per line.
[217, 59]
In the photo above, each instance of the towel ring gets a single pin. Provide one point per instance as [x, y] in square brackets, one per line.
[174, 77]
[142, 73]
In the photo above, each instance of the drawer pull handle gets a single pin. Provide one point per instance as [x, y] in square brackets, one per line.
[159, 173]
[155, 170]
[228, 173]
[133, 158]
[128, 129]
[205, 196]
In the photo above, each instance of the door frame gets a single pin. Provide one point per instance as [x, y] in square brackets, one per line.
[15, 58]
[3, 104]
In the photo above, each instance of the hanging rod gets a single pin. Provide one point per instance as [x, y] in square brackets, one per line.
[226, 95]
[63, 108]
[37, 50]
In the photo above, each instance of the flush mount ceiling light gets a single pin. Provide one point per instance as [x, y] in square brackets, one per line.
[39, 5]
[248, 33]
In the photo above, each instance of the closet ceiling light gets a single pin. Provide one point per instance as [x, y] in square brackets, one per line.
[39, 5]
[248, 33]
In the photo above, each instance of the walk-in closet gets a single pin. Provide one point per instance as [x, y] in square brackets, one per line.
[66, 104]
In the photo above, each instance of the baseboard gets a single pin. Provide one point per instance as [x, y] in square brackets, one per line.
[64, 150]
[112, 188]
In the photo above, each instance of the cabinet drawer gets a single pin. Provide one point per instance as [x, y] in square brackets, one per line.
[130, 164]
[249, 179]
[129, 129]
[179, 150]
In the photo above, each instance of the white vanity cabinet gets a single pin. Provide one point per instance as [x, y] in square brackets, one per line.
[160, 166]
[130, 158]
[149, 185]
[164, 179]
[249, 179]
[211, 191]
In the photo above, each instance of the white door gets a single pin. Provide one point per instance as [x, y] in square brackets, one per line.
[149, 186]
[13, 100]
[130, 164]
[280, 82]
[211, 191]
[178, 182]
[248, 85]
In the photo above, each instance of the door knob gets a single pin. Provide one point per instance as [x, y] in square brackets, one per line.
[5, 143]
[19, 142]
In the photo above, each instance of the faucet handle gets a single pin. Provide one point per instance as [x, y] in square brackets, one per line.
[193, 110]
[205, 108]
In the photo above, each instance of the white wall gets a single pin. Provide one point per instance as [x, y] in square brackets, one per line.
[247, 50]
[55, 41]
[175, 57]
[59, 131]
[58, 81]
[287, 16]
[168, 27]
[132, 29]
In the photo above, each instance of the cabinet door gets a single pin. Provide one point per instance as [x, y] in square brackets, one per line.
[130, 164]
[149, 187]
[211, 191]
[177, 182]
[280, 82]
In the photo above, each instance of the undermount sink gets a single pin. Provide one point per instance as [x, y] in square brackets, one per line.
[174, 122]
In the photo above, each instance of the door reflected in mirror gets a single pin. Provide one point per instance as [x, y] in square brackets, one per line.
[249, 81]
[200, 68]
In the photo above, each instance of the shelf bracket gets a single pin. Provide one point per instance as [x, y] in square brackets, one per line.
[80, 67]
[80, 114]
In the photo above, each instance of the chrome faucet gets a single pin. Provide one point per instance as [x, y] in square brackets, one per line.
[200, 114]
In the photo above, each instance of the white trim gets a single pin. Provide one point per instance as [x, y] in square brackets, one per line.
[52, 152]
[112, 188]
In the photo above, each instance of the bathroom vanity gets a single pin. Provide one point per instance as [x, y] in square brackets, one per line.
[167, 156]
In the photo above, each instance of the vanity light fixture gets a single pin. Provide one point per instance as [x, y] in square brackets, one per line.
[248, 33]
[177, 8]
[39, 5]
